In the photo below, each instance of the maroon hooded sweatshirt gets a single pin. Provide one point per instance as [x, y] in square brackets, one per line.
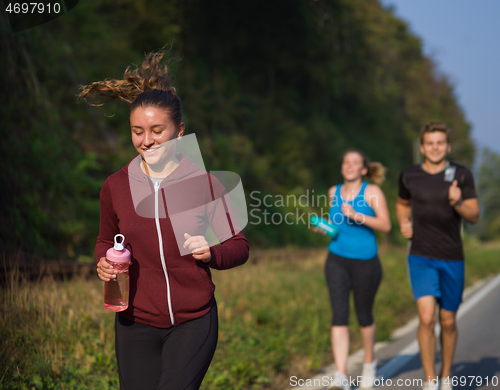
[162, 280]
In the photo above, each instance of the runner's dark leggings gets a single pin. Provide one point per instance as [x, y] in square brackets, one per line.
[362, 276]
[177, 358]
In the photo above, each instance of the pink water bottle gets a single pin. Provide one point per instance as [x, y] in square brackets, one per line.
[116, 290]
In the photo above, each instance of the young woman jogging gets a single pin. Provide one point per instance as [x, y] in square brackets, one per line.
[167, 337]
[357, 209]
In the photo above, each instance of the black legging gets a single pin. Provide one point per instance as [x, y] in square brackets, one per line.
[362, 276]
[151, 358]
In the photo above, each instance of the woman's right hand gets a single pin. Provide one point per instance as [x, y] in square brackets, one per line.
[318, 230]
[105, 270]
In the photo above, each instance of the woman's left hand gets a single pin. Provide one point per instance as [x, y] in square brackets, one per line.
[199, 247]
[348, 210]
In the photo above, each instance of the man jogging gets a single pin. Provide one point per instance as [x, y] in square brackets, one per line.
[436, 195]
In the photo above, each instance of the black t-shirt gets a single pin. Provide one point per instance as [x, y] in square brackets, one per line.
[436, 224]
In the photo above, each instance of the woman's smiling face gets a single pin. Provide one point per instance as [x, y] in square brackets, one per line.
[352, 166]
[151, 128]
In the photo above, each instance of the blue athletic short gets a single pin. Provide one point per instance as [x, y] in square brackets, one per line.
[443, 279]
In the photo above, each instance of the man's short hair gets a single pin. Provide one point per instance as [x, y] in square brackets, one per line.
[432, 127]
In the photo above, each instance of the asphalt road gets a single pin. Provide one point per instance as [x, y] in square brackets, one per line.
[477, 358]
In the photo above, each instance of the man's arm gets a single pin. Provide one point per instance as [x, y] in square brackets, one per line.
[403, 213]
[468, 208]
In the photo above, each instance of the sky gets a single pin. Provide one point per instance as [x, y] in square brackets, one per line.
[462, 36]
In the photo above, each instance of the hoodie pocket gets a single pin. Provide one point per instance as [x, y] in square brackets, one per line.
[206, 279]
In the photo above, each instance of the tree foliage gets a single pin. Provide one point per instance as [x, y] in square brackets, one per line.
[274, 90]
[488, 188]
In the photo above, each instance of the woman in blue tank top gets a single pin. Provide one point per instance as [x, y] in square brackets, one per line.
[357, 208]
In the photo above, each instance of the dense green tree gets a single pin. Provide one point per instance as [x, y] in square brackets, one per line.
[274, 90]
[488, 188]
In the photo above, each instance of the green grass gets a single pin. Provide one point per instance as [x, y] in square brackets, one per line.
[274, 316]
[56, 335]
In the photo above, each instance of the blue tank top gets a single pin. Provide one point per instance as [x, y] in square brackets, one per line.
[355, 240]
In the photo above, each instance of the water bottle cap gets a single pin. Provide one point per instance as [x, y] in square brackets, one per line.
[314, 219]
[119, 245]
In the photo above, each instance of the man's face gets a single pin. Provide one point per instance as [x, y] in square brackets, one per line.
[435, 147]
